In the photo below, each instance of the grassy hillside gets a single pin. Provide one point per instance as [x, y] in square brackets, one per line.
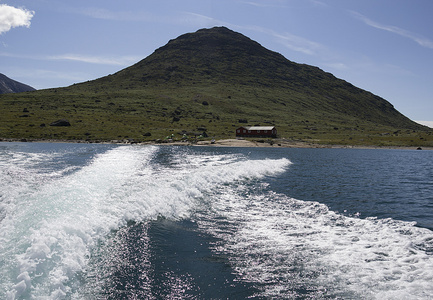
[212, 81]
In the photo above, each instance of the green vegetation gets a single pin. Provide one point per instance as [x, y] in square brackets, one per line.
[208, 81]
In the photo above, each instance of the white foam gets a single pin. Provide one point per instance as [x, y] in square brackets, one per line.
[58, 223]
[49, 231]
[284, 245]
[280, 244]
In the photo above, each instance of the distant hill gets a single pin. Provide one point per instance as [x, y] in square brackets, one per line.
[8, 85]
[211, 82]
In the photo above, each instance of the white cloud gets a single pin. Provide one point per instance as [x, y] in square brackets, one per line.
[257, 4]
[298, 43]
[337, 66]
[180, 18]
[319, 3]
[263, 4]
[101, 60]
[422, 41]
[290, 41]
[13, 55]
[11, 17]
[104, 14]
[380, 68]
[195, 19]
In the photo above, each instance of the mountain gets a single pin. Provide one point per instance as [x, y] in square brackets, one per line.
[223, 57]
[213, 81]
[8, 85]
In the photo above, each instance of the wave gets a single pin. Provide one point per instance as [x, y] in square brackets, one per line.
[50, 229]
[57, 222]
[297, 249]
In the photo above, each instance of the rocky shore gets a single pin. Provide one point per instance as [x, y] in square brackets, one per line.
[277, 143]
[294, 144]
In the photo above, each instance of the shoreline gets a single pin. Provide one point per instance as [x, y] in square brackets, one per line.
[225, 143]
[298, 144]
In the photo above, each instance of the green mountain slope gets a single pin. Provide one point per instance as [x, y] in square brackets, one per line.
[210, 81]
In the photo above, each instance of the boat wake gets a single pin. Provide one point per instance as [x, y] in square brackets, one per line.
[65, 229]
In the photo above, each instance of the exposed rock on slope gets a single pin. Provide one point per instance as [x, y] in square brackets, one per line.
[8, 85]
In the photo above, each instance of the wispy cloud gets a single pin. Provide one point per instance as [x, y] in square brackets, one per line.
[337, 66]
[367, 66]
[105, 14]
[100, 60]
[422, 41]
[21, 56]
[66, 76]
[279, 3]
[319, 3]
[298, 43]
[195, 19]
[178, 18]
[11, 17]
[264, 3]
[257, 4]
[289, 40]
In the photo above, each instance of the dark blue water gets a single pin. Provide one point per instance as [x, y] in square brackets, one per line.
[372, 183]
[82, 221]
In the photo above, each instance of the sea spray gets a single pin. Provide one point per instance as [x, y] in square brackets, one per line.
[55, 225]
[118, 220]
[293, 248]
[52, 228]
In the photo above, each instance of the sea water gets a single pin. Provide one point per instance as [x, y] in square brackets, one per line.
[87, 221]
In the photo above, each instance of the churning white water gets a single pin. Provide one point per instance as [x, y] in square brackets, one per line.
[55, 215]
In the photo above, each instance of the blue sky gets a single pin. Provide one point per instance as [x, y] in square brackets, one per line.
[383, 46]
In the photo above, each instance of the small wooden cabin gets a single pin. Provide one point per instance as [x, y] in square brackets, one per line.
[256, 131]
